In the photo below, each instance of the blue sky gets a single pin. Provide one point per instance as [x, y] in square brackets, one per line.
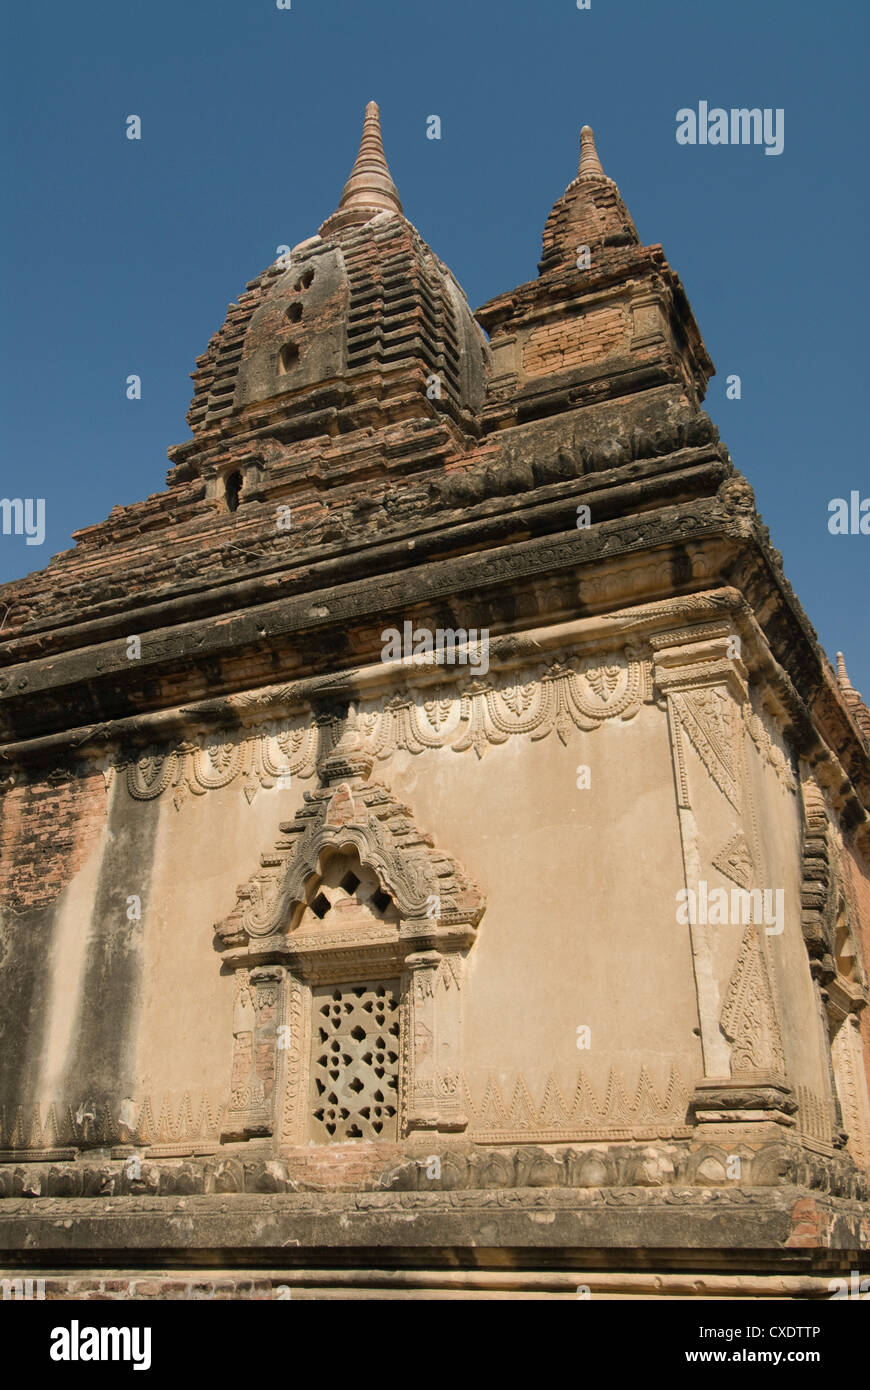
[121, 256]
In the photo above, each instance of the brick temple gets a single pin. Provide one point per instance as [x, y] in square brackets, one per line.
[530, 959]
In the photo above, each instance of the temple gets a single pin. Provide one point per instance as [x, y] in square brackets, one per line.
[330, 966]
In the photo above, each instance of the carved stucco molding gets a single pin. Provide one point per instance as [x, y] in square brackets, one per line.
[700, 675]
[749, 1019]
[434, 910]
[434, 1077]
[847, 1054]
[701, 687]
[828, 920]
[735, 860]
[167, 1124]
[194, 768]
[510, 1113]
[295, 1040]
[660, 1173]
[367, 819]
[567, 693]
[257, 1012]
[818, 906]
[707, 718]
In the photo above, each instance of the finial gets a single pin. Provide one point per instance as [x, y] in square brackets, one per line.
[842, 673]
[590, 164]
[349, 758]
[370, 188]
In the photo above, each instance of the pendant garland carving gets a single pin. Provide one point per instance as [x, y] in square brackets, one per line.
[196, 768]
[557, 698]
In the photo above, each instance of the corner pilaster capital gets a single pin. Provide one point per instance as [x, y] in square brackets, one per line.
[697, 656]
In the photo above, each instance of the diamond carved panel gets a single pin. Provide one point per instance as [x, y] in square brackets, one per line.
[355, 1062]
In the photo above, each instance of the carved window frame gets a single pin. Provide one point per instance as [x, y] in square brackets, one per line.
[279, 962]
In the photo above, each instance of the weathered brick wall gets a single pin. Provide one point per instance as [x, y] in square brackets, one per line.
[575, 343]
[47, 830]
[332, 1167]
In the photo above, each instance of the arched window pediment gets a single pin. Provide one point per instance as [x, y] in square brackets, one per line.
[349, 947]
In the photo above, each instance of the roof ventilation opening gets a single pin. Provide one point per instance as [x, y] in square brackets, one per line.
[232, 488]
[294, 312]
[288, 357]
[305, 279]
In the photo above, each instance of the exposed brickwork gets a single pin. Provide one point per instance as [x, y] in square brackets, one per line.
[215, 375]
[47, 830]
[330, 1167]
[576, 343]
[809, 1224]
[591, 213]
[399, 307]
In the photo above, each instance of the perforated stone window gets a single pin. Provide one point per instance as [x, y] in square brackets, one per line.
[354, 1090]
[347, 892]
[320, 905]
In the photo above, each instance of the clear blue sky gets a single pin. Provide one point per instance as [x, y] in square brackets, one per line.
[121, 256]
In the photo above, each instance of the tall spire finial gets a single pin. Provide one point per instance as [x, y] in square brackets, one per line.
[370, 188]
[589, 161]
[842, 673]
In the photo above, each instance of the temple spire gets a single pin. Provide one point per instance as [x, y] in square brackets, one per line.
[590, 164]
[370, 188]
[853, 699]
[590, 213]
[842, 673]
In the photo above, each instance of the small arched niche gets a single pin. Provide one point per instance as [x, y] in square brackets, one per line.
[344, 891]
[233, 484]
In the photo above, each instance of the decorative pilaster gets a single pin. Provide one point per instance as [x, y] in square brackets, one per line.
[435, 1090]
[256, 1013]
[702, 677]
